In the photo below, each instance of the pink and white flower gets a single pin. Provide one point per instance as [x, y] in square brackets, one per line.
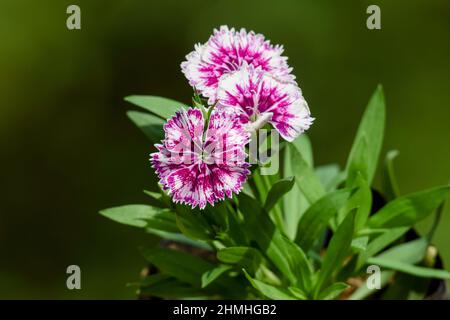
[258, 97]
[226, 51]
[198, 163]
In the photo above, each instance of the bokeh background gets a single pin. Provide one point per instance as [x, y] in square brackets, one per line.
[68, 150]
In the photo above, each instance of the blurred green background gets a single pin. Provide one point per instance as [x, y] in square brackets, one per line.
[68, 150]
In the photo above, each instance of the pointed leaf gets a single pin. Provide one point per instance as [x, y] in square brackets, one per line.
[271, 292]
[162, 107]
[410, 269]
[183, 266]
[337, 251]
[371, 131]
[245, 257]
[333, 291]
[278, 190]
[150, 125]
[390, 185]
[211, 275]
[409, 209]
[330, 176]
[315, 220]
[305, 178]
[137, 215]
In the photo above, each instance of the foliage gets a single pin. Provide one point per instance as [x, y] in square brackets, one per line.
[302, 233]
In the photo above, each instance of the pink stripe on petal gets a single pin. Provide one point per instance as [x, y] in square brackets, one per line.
[226, 51]
[206, 171]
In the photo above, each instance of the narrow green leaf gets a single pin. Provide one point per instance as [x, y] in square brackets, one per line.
[245, 257]
[305, 178]
[409, 252]
[181, 238]
[162, 107]
[437, 219]
[337, 251]
[316, 218]
[390, 185]
[409, 209]
[193, 224]
[363, 291]
[299, 294]
[333, 291]
[360, 162]
[304, 147]
[294, 202]
[211, 275]
[361, 200]
[183, 266]
[371, 131]
[137, 215]
[155, 199]
[278, 190]
[360, 244]
[410, 269]
[149, 124]
[379, 243]
[285, 254]
[330, 176]
[271, 292]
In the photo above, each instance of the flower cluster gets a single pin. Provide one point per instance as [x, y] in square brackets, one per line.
[247, 83]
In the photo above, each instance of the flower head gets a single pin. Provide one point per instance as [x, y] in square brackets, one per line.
[226, 51]
[258, 97]
[202, 163]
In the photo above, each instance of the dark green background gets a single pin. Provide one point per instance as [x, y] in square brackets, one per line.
[67, 149]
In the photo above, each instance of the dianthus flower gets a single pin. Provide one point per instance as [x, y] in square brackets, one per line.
[201, 161]
[258, 97]
[226, 51]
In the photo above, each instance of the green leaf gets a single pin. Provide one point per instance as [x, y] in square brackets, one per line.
[363, 291]
[294, 202]
[303, 146]
[333, 291]
[149, 124]
[306, 180]
[211, 275]
[183, 266]
[137, 215]
[410, 252]
[409, 209]
[271, 292]
[193, 224]
[337, 251]
[315, 220]
[410, 269]
[278, 190]
[299, 294]
[181, 238]
[369, 137]
[260, 187]
[361, 200]
[155, 199]
[360, 244]
[245, 257]
[436, 221]
[390, 185]
[284, 254]
[379, 243]
[330, 176]
[162, 107]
